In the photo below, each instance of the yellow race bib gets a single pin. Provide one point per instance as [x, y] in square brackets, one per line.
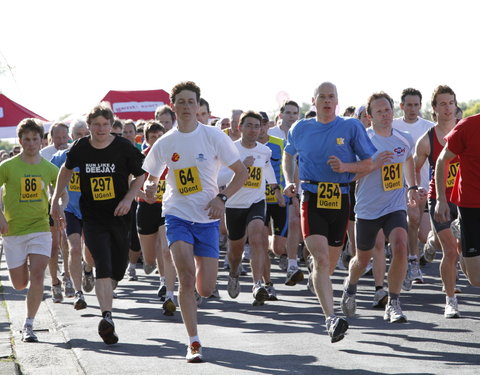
[30, 188]
[74, 183]
[270, 194]
[452, 172]
[329, 196]
[102, 188]
[188, 180]
[392, 178]
[161, 190]
[254, 180]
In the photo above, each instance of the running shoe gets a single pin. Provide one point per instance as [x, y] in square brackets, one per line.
[349, 302]
[416, 274]
[283, 262]
[407, 282]
[149, 268]
[198, 298]
[215, 292]
[88, 282]
[79, 303]
[260, 293]
[246, 252]
[451, 308]
[106, 330]
[336, 328]
[28, 335]
[429, 250]
[162, 290]
[68, 288]
[380, 299]
[169, 307]
[294, 276]
[194, 353]
[393, 312]
[455, 226]
[233, 286]
[56, 291]
[272, 293]
[132, 274]
[310, 286]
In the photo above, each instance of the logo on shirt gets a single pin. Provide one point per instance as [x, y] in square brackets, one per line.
[175, 157]
[340, 141]
[399, 150]
[200, 157]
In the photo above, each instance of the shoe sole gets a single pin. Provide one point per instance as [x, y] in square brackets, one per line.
[261, 295]
[258, 303]
[107, 332]
[399, 320]
[196, 359]
[80, 305]
[233, 293]
[30, 340]
[272, 298]
[169, 308]
[454, 316]
[339, 332]
[295, 278]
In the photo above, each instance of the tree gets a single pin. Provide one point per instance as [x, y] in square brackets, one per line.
[470, 108]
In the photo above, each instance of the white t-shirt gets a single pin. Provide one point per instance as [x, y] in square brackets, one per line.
[259, 174]
[276, 131]
[193, 160]
[416, 130]
[48, 152]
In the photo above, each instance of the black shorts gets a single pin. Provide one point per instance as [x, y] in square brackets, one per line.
[469, 229]
[108, 243]
[366, 230]
[353, 186]
[437, 225]
[73, 224]
[279, 216]
[133, 234]
[323, 221]
[237, 219]
[149, 217]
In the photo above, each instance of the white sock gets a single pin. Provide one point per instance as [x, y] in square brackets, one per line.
[193, 339]
[169, 294]
[292, 263]
[162, 279]
[28, 322]
[412, 257]
[131, 265]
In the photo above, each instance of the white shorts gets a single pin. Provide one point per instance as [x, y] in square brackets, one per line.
[17, 248]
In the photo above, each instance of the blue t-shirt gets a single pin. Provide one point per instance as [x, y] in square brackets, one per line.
[277, 145]
[372, 200]
[73, 205]
[315, 142]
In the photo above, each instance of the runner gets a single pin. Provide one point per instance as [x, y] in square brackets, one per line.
[24, 224]
[105, 162]
[193, 153]
[380, 204]
[327, 148]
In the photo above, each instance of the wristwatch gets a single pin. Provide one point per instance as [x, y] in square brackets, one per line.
[223, 197]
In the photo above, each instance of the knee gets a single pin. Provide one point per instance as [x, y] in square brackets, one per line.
[360, 261]
[255, 240]
[20, 284]
[321, 261]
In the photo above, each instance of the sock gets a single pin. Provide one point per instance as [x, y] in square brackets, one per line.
[192, 339]
[351, 289]
[169, 294]
[132, 266]
[107, 314]
[162, 279]
[292, 263]
[412, 258]
[333, 316]
[259, 283]
[87, 267]
[378, 287]
[392, 296]
[28, 322]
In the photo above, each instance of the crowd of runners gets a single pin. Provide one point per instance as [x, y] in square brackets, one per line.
[362, 190]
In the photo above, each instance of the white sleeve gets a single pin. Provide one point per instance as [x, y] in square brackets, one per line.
[225, 175]
[153, 163]
[269, 172]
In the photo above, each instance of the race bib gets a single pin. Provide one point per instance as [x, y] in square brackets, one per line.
[188, 180]
[452, 172]
[254, 179]
[392, 177]
[30, 188]
[102, 188]
[329, 196]
[160, 190]
[270, 194]
[74, 183]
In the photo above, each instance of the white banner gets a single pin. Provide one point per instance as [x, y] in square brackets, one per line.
[1, 112]
[136, 106]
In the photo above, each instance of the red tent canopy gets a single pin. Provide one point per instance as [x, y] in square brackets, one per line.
[136, 105]
[11, 114]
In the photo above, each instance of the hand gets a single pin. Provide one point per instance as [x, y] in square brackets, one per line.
[442, 211]
[336, 164]
[216, 208]
[422, 193]
[290, 190]
[413, 198]
[280, 197]
[57, 214]
[150, 189]
[123, 207]
[384, 157]
[3, 225]
[248, 161]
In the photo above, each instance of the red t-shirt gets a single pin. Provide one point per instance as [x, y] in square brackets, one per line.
[464, 140]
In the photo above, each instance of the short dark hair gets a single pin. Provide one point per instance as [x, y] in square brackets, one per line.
[165, 109]
[58, 125]
[152, 126]
[117, 124]
[442, 89]
[375, 96]
[101, 109]
[186, 85]
[30, 125]
[253, 114]
[205, 103]
[412, 92]
[130, 122]
[310, 114]
[289, 102]
[349, 111]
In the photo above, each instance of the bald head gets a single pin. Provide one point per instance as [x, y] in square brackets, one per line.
[324, 87]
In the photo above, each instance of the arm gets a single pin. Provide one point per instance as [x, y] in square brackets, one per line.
[56, 210]
[216, 207]
[442, 211]
[150, 188]
[361, 166]
[125, 204]
[422, 151]
[409, 169]
[288, 164]
[382, 158]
